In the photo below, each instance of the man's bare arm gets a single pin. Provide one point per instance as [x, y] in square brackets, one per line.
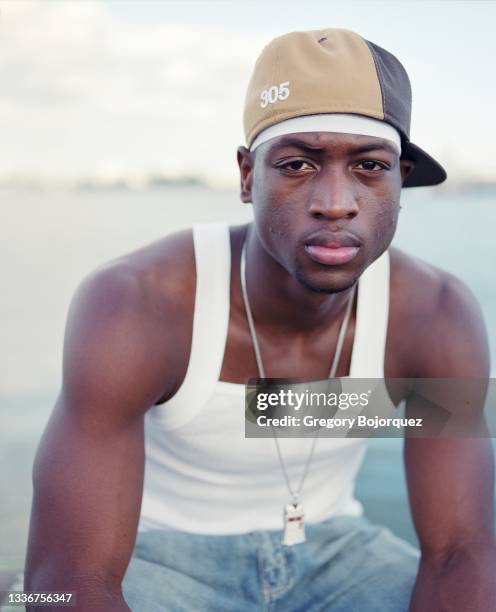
[451, 481]
[88, 473]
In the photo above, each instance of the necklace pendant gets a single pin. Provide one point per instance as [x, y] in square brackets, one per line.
[294, 525]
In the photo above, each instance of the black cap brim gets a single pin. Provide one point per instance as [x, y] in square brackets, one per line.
[427, 171]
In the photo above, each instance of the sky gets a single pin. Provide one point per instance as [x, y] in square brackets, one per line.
[111, 88]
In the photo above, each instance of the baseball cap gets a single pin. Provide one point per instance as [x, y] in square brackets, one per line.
[334, 71]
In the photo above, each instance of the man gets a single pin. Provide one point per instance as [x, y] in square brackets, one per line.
[174, 331]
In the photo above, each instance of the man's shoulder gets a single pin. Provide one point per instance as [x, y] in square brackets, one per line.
[163, 269]
[136, 311]
[423, 290]
[417, 284]
[438, 317]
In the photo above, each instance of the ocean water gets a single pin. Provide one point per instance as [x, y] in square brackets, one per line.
[52, 239]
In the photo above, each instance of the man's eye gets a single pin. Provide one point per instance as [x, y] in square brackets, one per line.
[370, 165]
[297, 164]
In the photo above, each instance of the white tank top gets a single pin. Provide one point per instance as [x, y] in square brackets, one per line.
[201, 474]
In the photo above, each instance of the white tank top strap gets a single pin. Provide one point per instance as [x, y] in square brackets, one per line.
[369, 346]
[210, 323]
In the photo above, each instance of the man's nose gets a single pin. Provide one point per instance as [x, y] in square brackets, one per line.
[334, 199]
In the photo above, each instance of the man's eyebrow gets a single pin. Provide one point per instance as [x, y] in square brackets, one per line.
[290, 141]
[384, 145]
[293, 142]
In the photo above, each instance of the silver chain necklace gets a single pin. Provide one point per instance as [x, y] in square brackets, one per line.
[294, 528]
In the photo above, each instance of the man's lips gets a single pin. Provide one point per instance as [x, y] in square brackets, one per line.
[335, 256]
[332, 250]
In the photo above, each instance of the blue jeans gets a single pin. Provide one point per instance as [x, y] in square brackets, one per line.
[346, 565]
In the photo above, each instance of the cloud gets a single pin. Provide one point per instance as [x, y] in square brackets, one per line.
[87, 90]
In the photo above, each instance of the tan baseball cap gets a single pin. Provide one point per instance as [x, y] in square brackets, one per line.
[334, 71]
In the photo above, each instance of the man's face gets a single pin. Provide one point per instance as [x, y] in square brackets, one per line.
[325, 204]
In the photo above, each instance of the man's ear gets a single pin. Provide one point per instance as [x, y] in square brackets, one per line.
[245, 163]
[406, 166]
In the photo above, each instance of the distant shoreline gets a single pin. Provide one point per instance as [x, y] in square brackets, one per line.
[96, 184]
[158, 182]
